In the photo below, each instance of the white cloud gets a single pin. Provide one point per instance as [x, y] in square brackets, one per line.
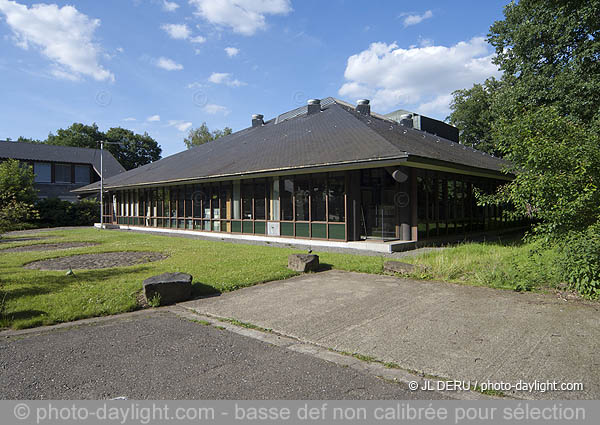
[416, 19]
[225, 78]
[213, 109]
[130, 119]
[63, 35]
[242, 16]
[182, 126]
[418, 76]
[120, 50]
[153, 118]
[195, 85]
[177, 31]
[170, 6]
[232, 51]
[168, 64]
[199, 39]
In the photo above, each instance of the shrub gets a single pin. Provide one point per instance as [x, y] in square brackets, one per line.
[56, 213]
[14, 215]
[580, 261]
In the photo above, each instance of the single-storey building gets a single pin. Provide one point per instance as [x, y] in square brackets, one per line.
[327, 171]
[60, 169]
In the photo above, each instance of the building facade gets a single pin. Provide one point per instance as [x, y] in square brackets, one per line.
[327, 171]
[60, 169]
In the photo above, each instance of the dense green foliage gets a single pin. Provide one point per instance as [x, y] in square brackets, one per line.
[17, 195]
[472, 114]
[544, 116]
[580, 261]
[557, 168]
[201, 135]
[57, 213]
[130, 149]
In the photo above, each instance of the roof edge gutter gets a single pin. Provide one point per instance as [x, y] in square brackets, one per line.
[339, 166]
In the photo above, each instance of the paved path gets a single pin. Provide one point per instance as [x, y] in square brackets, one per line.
[157, 355]
[453, 331]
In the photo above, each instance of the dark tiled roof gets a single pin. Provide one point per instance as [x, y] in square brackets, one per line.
[336, 136]
[65, 154]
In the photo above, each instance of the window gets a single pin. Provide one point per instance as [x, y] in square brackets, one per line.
[43, 172]
[336, 198]
[287, 195]
[62, 173]
[302, 196]
[318, 197]
[247, 195]
[82, 174]
[259, 200]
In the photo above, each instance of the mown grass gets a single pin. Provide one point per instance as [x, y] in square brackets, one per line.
[503, 265]
[34, 298]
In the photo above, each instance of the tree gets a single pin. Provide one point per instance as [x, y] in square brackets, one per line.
[201, 135]
[557, 167]
[16, 181]
[549, 51]
[134, 150]
[17, 194]
[473, 115]
[77, 135]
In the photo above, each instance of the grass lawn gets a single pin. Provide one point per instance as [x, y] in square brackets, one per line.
[511, 264]
[31, 298]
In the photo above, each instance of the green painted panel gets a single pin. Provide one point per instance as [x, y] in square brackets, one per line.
[247, 227]
[302, 230]
[236, 226]
[337, 231]
[287, 229]
[319, 230]
[260, 227]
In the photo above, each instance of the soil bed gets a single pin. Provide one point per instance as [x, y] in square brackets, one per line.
[97, 261]
[49, 246]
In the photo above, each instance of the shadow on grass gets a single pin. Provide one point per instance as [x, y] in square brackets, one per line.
[23, 315]
[323, 267]
[202, 290]
[45, 284]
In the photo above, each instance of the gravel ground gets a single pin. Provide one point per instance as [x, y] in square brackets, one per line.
[161, 356]
[97, 261]
[48, 246]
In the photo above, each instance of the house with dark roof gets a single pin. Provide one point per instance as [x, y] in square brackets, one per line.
[326, 172]
[61, 169]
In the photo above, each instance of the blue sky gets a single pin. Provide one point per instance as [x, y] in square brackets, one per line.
[164, 66]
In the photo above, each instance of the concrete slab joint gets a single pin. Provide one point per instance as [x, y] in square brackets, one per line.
[303, 262]
[402, 268]
[169, 288]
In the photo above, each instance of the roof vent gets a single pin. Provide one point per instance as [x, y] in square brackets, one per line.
[257, 120]
[406, 120]
[363, 107]
[314, 106]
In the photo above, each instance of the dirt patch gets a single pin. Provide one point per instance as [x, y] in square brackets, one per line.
[97, 261]
[37, 238]
[49, 246]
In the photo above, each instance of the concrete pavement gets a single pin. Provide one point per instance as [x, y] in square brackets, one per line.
[155, 354]
[451, 331]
